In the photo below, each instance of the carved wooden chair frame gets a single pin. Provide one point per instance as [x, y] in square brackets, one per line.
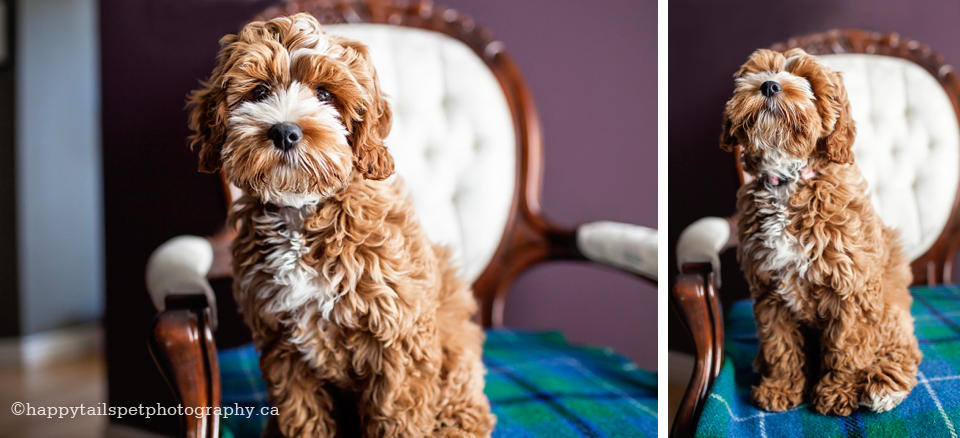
[695, 296]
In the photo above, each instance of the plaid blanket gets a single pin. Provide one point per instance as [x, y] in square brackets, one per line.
[931, 410]
[538, 385]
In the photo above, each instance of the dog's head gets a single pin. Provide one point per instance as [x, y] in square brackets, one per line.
[290, 113]
[787, 111]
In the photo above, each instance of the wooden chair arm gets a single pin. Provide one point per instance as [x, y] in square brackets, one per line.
[561, 244]
[183, 348]
[530, 242]
[627, 247]
[695, 299]
[704, 241]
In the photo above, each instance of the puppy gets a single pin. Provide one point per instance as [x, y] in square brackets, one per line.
[822, 267]
[351, 306]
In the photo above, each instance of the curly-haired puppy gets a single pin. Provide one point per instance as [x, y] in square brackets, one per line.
[822, 267]
[350, 304]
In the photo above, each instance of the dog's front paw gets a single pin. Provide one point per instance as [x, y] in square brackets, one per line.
[881, 399]
[776, 396]
[835, 395]
[887, 385]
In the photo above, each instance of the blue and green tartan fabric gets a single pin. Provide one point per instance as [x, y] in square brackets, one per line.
[538, 384]
[931, 410]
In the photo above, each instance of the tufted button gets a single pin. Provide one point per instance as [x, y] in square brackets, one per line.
[478, 146]
[430, 153]
[455, 197]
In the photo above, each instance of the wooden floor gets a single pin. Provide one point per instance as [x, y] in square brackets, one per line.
[81, 381]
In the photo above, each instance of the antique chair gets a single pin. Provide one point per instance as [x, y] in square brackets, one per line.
[466, 139]
[905, 102]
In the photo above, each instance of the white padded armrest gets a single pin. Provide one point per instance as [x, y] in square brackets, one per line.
[703, 241]
[180, 267]
[629, 247]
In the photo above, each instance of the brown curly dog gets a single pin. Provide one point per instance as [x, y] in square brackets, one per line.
[351, 306]
[823, 269]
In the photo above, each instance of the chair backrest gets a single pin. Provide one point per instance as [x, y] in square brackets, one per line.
[907, 144]
[904, 101]
[452, 137]
[465, 137]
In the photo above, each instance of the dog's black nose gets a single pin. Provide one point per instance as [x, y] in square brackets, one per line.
[770, 88]
[285, 135]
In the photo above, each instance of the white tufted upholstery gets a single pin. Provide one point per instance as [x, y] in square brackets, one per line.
[907, 143]
[452, 139]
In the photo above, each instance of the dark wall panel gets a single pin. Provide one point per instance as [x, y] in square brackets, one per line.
[153, 53]
[9, 289]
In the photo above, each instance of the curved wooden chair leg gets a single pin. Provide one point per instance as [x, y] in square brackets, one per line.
[182, 345]
[716, 319]
[695, 300]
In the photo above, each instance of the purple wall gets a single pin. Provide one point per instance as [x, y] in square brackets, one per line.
[708, 41]
[592, 68]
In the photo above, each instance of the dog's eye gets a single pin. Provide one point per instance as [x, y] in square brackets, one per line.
[324, 95]
[258, 93]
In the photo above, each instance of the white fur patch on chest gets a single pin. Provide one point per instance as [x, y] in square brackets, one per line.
[293, 284]
[780, 254]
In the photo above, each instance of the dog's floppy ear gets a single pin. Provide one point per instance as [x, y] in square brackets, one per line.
[373, 159]
[831, 102]
[727, 140]
[838, 145]
[208, 113]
